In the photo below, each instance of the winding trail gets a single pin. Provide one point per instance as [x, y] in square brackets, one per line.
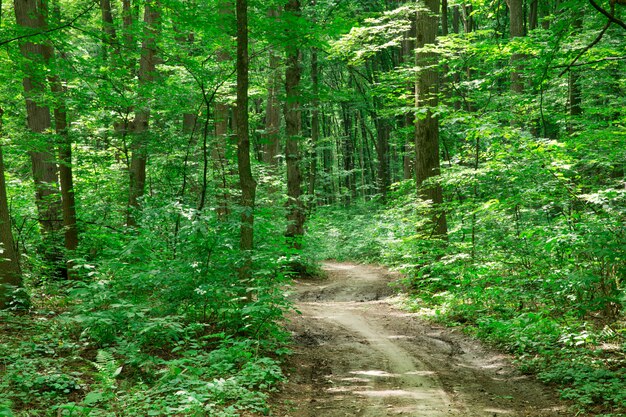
[357, 355]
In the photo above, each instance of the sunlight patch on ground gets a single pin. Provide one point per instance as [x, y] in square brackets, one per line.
[399, 393]
[375, 373]
[497, 411]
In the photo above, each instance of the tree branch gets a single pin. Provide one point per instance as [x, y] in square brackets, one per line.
[54, 29]
[610, 16]
[588, 47]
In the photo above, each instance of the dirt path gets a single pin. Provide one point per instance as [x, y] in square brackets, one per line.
[356, 355]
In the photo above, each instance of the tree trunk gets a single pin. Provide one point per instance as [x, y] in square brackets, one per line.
[10, 274]
[444, 17]
[516, 12]
[427, 126]
[271, 139]
[315, 122]
[32, 14]
[108, 27]
[468, 19]
[574, 93]
[247, 182]
[533, 16]
[382, 152]
[293, 130]
[65, 170]
[146, 75]
[221, 168]
[456, 19]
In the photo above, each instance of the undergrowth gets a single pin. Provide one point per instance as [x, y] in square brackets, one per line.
[160, 325]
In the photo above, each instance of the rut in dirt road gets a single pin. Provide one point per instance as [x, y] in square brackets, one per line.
[357, 355]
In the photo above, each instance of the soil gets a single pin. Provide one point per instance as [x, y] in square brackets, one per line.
[356, 354]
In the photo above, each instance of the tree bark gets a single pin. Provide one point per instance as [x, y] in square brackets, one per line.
[32, 14]
[516, 13]
[271, 139]
[221, 168]
[65, 169]
[293, 130]
[108, 27]
[444, 18]
[10, 274]
[247, 182]
[146, 76]
[315, 121]
[574, 93]
[427, 126]
[533, 15]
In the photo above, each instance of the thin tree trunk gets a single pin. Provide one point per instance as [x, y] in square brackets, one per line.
[315, 122]
[65, 168]
[247, 182]
[427, 126]
[10, 274]
[293, 130]
[574, 93]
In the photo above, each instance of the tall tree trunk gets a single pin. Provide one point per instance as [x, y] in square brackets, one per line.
[427, 126]
[315, 122]
[533, 15]
[382, 152]
[574, 93]
[271, 139]
[293, 130]
[516, 13]
[347, 150]
[108, 27]
[146, 76]
[33, 14]
[65, 170]
[247, 182]
[221, 168]
[408, 50]
[10, 274]
[456, 19]
[444, 17]
[468, 18]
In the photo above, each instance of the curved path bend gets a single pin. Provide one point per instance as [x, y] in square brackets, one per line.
[357, 355]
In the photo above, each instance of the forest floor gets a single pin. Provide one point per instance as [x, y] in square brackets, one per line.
[356, 354]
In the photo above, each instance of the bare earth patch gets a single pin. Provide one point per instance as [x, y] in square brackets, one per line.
[357, 355]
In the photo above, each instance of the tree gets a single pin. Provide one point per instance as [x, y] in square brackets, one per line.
[516, 28]
[271, 140]
[426, 123]
[146, 75]
[293, 130]
[31, 15]
[246, 180]
[10, 274]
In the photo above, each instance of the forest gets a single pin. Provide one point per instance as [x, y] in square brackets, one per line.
[168, 167]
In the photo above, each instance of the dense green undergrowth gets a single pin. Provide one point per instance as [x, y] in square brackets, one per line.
[533, 270]
[160, 325]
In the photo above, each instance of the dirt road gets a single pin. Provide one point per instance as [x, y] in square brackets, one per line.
[357, 355]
